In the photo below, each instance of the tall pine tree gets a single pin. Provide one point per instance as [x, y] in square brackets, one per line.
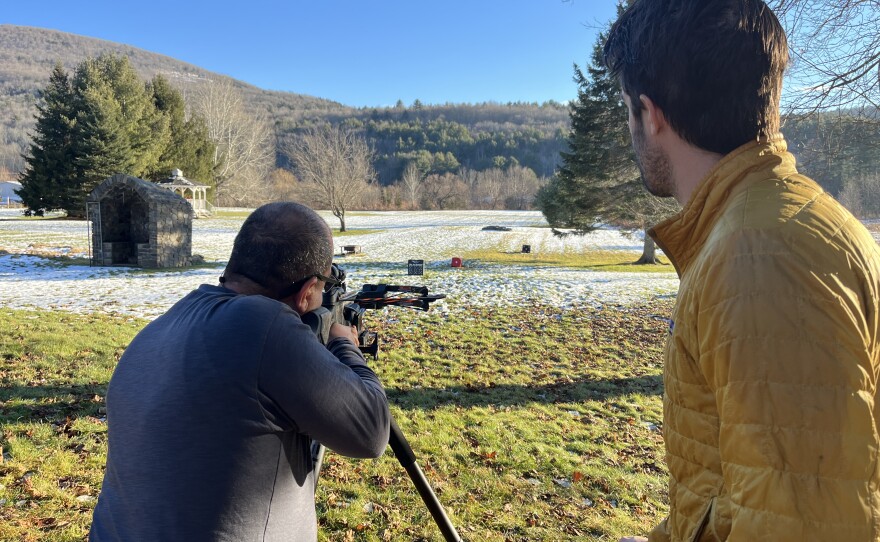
[49, 161]
[146, 129]
[101, 148]
[104, 120]
[190, 149]
[118, 129]
[598, 181]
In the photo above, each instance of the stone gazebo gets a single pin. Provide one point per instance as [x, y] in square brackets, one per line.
[196, 194]
[137, 223]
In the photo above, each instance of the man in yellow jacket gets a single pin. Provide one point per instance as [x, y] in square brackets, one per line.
[770, 408]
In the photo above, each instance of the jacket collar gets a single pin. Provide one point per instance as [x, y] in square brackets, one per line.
[682, 236]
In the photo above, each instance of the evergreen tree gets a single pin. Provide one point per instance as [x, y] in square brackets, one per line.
[189, 149]
[146, 129]
[598, 181]
[49, 162]
[101, 145]
[109, 87]
[100, 122]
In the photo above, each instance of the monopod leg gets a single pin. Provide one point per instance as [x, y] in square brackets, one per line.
[317, 459]
[407, 459]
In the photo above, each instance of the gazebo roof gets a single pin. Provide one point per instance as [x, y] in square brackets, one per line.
[177, 180]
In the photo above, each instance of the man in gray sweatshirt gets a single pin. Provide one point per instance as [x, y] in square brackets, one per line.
[213, 407]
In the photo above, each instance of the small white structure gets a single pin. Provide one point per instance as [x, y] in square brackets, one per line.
[196, 194]
[8, 197]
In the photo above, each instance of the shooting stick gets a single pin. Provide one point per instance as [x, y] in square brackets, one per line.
[407, 459]
[348, 309]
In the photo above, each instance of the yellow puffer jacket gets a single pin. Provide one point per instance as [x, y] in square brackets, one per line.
[770, 406]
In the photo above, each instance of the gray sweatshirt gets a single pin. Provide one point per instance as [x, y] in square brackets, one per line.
[210, 413]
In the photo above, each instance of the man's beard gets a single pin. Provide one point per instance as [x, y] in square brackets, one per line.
[653, 165]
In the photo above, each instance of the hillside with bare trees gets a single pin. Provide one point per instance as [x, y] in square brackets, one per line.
[485, 155]
[490, 134]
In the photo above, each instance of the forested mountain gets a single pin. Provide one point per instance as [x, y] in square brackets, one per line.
[441, 137]
[27, 56]
[467, 151]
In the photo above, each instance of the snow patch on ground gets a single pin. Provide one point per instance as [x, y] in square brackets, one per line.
[29, 280]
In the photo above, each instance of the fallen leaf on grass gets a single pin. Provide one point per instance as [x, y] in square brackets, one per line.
[49, 523]
[384, 481]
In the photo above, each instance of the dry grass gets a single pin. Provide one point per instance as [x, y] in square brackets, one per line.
[531, 423]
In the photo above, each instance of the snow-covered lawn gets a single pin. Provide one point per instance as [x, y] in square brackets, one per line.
[28, 280]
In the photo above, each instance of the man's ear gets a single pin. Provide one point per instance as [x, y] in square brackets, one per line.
[653, 119]
[300, 300]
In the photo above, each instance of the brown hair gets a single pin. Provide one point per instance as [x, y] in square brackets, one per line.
[714, 67]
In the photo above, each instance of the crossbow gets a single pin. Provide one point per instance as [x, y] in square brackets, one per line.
[348, 308]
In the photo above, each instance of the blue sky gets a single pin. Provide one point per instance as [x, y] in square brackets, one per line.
[358, 53]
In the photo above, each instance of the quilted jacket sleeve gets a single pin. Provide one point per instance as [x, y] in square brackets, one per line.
[786, 348]
[659, 533]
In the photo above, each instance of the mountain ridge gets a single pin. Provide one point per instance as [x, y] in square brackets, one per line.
[55, 45]
[28, 54]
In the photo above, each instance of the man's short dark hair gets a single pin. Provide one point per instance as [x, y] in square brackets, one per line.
[280, 243]
[714, 67]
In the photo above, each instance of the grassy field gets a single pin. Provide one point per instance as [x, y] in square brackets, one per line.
[232, 213]
[349, 232]
[597, 260]
[531, 424]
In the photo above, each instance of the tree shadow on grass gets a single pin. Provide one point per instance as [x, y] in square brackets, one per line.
[35, 404]
[516, 395]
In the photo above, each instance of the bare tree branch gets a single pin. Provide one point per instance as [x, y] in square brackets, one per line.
[412, 180]
[835, 52]
[245, 142]
[335, 165]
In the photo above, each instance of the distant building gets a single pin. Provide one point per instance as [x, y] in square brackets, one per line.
[8, 197]
[196, 194]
